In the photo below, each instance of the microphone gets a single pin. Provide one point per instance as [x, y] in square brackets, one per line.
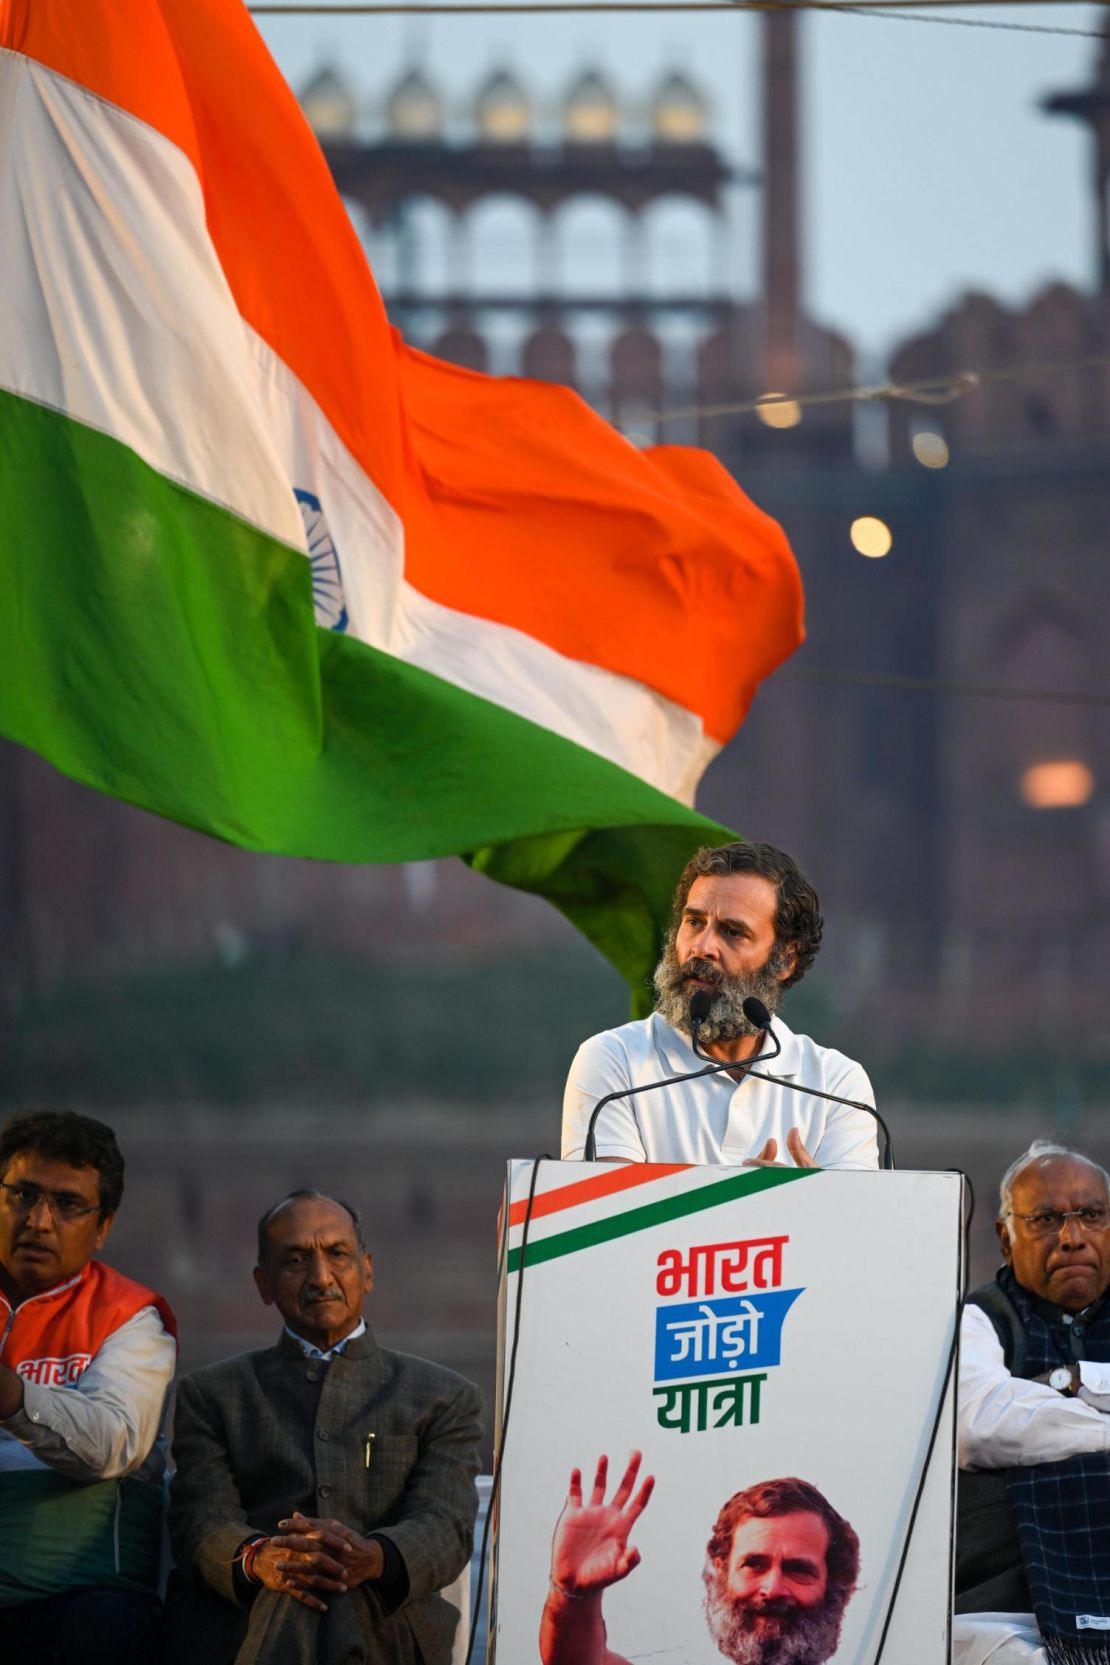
[700, 1002]
[756, 1012]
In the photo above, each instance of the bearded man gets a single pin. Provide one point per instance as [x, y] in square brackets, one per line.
[746, 922]
[780, 1567]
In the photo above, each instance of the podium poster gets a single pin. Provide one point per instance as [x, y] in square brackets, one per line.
[778, 1345]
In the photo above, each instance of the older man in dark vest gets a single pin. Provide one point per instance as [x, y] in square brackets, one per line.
[1033, 1536]
[325, 1486]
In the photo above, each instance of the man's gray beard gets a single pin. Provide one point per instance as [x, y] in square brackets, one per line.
[810, 1635]
[726, 1020]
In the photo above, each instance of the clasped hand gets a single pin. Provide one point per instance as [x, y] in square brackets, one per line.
[311, 1555]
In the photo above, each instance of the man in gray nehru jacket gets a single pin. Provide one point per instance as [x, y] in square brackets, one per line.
[325, 1486]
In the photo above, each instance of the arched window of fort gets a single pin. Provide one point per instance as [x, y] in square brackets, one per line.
[1045, 648]
[590, 235]
[503, 234]
[682, 247]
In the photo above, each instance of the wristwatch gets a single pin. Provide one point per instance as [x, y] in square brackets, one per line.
[1063, 1379]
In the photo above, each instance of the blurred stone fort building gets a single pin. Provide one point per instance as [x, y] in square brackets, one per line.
[959, 830]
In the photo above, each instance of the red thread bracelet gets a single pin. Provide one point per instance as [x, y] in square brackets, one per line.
[249, 1554]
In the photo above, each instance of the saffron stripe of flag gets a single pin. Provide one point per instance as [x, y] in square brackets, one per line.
[515, 638]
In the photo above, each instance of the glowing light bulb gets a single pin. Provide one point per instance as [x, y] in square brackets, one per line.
[871, 537]
[1064, 783]
[930, 449]
[775, 410]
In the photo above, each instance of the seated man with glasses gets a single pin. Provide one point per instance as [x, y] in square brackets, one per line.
[86, 1359]
[1033, 1522]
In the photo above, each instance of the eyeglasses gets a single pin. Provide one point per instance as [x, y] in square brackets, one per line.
[1047, 1221]
[63, 1205]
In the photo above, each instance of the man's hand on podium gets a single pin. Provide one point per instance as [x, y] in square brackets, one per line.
[766, 1157]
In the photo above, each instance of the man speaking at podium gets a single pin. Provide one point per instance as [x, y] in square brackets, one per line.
[746, 924]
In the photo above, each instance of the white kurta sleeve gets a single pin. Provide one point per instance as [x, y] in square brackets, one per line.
[1004, 1421]
[106, 1424]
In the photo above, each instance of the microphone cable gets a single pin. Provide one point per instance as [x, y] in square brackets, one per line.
[756, 1012]
[698, 999]
[950, 1370]
[495, 1488]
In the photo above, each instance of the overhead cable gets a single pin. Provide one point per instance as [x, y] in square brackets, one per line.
[936, 390]
[971, 22]
[941, 685]
[901, 11]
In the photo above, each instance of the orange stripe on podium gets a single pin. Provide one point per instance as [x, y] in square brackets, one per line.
[624, 1177]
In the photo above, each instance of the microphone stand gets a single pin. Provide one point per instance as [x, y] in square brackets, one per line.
[588, 1154]
[756, 1012]
[745, 1068]
[711, 1068]
[835, 1098]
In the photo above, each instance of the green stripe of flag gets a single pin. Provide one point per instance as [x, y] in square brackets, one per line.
[655, 1214]
[162, 650]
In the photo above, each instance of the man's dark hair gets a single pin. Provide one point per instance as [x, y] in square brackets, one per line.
[64, 1136]
[790, 1496]
[798, 920]
[299, 1196]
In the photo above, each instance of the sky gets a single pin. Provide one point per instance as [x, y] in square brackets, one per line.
[929, 169]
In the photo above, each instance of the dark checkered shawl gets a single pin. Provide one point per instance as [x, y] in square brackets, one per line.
[1063, 1509]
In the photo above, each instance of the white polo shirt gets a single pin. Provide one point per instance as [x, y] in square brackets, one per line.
[714, 1120]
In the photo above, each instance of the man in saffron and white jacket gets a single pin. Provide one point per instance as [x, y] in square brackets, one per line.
[86, 1360]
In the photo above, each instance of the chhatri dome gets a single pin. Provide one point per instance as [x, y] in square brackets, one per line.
[414, 109]
[330, 105]
[679, 114]
[591, 114]
[502, 110]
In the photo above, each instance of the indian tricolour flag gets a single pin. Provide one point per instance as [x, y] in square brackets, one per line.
[268, 571]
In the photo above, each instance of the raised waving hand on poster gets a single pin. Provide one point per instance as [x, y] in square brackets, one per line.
[590, 1551]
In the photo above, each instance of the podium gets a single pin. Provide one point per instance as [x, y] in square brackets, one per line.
[737, 1326]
